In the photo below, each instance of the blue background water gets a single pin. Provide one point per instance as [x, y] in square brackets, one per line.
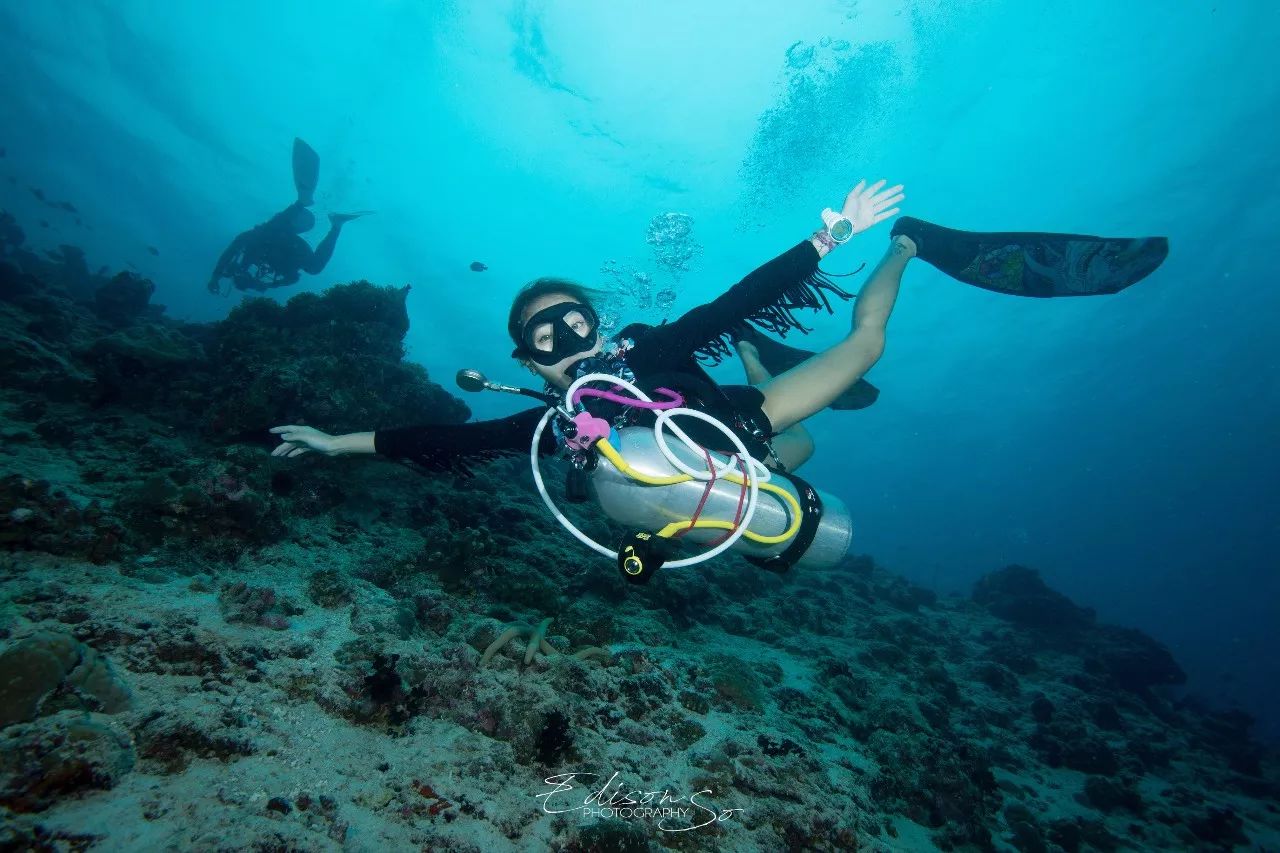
[1125, 446]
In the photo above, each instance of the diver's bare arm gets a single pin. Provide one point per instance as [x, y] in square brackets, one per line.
[353, 442]
[297, 439]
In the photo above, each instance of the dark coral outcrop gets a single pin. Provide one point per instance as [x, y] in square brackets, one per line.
[91, 362]
[334, 360]
[1019, 595]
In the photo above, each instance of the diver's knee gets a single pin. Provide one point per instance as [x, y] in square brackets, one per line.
[869, 336]
[804, 450]
[793, 447]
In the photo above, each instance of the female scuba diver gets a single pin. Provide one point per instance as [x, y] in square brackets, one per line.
[553, 326]
[555, 331]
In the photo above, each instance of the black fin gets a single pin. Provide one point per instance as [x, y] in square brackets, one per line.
[306, 172]
[1025, 263]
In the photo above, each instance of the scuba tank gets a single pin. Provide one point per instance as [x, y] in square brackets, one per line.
[825, 532]
[665, 492]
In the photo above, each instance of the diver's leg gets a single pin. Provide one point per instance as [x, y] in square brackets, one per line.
[757, 373]
[810, 386]
[793, 445]
[320, 257]
[324, 251]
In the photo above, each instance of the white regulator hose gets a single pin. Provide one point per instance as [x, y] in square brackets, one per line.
[754, 471]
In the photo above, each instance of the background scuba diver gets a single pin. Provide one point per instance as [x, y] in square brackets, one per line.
[554, 325]
[272, 254]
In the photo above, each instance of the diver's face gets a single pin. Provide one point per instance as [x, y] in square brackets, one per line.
[541, 337]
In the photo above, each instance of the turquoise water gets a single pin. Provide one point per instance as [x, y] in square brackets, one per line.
[1125, 446]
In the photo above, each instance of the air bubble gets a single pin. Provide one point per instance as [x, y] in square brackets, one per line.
[671, 236]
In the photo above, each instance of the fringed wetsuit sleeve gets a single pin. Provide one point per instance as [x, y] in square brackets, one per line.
[455, 447]
[768, 297]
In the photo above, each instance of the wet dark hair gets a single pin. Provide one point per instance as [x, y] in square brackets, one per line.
[536, 289]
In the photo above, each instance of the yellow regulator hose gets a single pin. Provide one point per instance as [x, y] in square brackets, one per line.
[609, 452]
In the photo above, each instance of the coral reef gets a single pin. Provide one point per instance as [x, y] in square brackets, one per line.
[256, 606]
[204, 647]
[1018, 595]
[60, 756]
[334, 359]
[35, 516]
[124, 299]
[50, 671]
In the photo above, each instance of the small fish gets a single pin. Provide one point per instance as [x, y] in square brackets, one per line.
[38, 193]
[476, 266]
[153, 250]
[67, 206]
[44, 223]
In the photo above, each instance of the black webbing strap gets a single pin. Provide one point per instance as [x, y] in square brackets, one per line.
[811, 509]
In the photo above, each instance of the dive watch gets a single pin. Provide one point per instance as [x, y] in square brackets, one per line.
[838, 226]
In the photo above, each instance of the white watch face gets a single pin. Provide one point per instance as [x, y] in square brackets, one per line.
[841, 230]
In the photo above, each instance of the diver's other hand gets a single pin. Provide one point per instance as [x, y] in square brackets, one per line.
[866, 206]
[214, 286]
[297, 440]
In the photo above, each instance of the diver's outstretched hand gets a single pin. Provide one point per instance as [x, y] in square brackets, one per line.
[866, 206]
[297, 440]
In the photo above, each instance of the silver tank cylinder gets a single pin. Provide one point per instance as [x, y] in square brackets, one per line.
[651, 508]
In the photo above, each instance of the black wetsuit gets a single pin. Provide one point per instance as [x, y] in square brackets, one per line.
[272, 255]
[663, 355]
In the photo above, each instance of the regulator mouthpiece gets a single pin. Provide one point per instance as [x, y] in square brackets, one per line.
[471, 380]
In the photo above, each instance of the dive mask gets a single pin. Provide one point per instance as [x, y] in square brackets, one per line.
[572, 331]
